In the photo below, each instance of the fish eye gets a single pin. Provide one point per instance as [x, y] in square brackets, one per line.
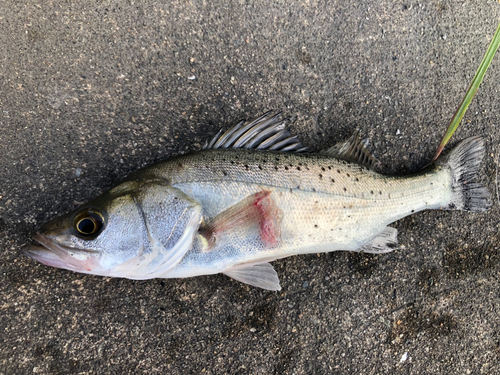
[89, 223]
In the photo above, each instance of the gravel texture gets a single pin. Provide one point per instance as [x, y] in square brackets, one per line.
[91, 91]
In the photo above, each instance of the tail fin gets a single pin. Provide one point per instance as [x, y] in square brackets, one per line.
[464, 162]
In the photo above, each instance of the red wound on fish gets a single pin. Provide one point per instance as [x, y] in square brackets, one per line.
[270, 218]
[258, 209]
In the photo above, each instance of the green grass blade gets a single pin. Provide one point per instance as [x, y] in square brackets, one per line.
[476, 81]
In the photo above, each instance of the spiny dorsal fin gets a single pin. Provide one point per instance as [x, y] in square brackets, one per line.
[353, 150]
[267, 132]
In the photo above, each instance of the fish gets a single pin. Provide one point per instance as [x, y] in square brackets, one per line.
[253, 195]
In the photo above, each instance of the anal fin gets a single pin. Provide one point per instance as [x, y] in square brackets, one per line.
[385, 242]
[261, 275]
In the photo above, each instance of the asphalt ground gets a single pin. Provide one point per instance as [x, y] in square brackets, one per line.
[91, 91]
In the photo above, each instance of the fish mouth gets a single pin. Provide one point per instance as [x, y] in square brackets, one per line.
[55, 255]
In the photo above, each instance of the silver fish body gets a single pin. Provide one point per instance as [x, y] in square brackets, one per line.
[235, 210]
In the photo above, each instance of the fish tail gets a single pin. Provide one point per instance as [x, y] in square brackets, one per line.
[464, 161]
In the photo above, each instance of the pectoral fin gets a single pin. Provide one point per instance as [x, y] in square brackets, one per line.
[385, 242]
[261, 275]
[258, 210]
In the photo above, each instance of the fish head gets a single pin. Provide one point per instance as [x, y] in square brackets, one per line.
[137, 230]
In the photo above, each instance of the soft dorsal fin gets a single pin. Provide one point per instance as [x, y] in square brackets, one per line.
[353, 150]
[267, 132]
[261, 275]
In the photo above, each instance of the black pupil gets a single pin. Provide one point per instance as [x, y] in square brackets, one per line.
[86, 226]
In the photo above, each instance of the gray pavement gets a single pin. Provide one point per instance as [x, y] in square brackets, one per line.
[91, 91]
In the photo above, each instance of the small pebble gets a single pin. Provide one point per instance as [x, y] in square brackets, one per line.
[404, 357]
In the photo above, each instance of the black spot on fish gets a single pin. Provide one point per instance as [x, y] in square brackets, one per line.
[298, 168]
[323, 169]
[333, 180]
[320, 176]
[356, 179]
[247, 167]
[260, 167]
[286, 168]
[276, 167]
[371, 192]
[345, 189]
[338, 170]
[313, 189]
[348, 175]
[224, 173]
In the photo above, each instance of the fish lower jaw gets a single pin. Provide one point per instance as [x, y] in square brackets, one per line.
[47, 257]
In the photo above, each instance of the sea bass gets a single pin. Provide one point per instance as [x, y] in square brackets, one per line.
[250, 197]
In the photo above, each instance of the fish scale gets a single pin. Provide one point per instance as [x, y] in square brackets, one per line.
[345, 182]
[250, 197]
[318, 215]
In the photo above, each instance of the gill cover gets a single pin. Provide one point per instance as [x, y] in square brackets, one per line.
[171, 220]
